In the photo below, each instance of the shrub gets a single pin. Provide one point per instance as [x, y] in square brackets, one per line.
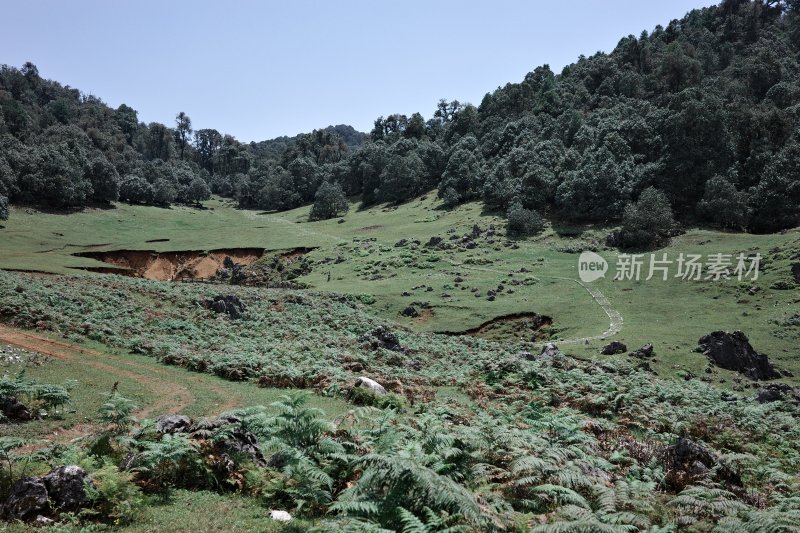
[522, 222]
[329, 202]
[723, 204]
[648, 222]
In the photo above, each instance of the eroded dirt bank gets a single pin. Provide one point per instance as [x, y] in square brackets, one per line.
[522, 325]
[171, 266]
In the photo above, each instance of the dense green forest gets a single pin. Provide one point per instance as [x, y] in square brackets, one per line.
[704, 109]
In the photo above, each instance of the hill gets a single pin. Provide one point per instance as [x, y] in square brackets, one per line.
[703, 110]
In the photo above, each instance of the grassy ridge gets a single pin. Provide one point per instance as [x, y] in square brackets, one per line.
[360, 257]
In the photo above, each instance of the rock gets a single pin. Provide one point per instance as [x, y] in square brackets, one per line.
[65, 486]
[470, 245]
[614, 347]
[401, 242]
[27, 499]
[644, 351]
[242, 443]
[526, 355]
[774, 392]
[230, 305]
[43, 521]
[491, 297]
[14, 410]
[688, 461]
[476, 231]
[549, 350]
[383, 337]
[340, 221]
[732, 351]
[796, 272]
[434, 242]
[280, 516]
[410, 311]
[173, 423]
[371, 384]
[458, 279]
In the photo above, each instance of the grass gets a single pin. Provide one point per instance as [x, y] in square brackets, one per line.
[359, 257]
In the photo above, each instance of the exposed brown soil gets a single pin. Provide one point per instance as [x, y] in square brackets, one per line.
[170, 266]
[169, 396]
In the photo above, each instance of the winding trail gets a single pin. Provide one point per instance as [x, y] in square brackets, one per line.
[615, 318]
[172, 389]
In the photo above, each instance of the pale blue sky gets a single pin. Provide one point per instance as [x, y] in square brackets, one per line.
[257, 70]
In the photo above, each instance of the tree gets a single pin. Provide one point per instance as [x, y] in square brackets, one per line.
[136, 189]
[523, 222]
[183, 130]
[776, 198]
[648, 222]
[723, 204]
[196, 191]
[329, 202]
[3, 208]
[164, 192]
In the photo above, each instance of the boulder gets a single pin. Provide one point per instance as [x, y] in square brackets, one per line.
[230, 305]
[26, 500]
[434, 241]
[526, 355]
[173, 423]
[549, 350]
[371, 384]
[280, 516]
[688, 462]
[14, 410]
[401, 242]
[732, 351]
[66, 487]
[796, 272]
[410, 311]
[383, 337]
[614, 347]
[774, 392]
[644, 351]
[242, 443]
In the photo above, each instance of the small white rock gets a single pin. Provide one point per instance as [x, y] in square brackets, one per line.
[280, 516]
[376, 387]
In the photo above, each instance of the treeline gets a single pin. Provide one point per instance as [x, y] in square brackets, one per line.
[62, 148]
[705, 110]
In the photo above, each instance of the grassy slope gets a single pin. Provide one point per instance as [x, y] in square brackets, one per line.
[672, 315]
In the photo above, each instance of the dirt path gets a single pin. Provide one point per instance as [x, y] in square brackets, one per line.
[170, 395]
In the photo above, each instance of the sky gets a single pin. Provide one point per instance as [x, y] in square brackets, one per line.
[261, 69]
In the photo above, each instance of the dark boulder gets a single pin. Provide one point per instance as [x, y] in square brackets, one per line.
[434, 242]
[549, 350]
[796, 272]
[230, 305]
[241, 443]
[173, 424]
[614, 347]
[66, 487]
[27, 499]
[410, 311]
[732, 351]
[644, 351]
[775, 392]
[14, 410]
[688, 462]
[383, 337]
[401, 242]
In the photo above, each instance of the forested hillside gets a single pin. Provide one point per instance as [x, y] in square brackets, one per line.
[704, 109]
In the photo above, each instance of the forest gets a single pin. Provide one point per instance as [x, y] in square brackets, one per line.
[704, 110]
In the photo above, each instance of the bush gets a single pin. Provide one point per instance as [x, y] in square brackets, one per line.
[3, 208]
[723, 204]
[648, 222]
[136, 189]
[329, 202]
[522, 222]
